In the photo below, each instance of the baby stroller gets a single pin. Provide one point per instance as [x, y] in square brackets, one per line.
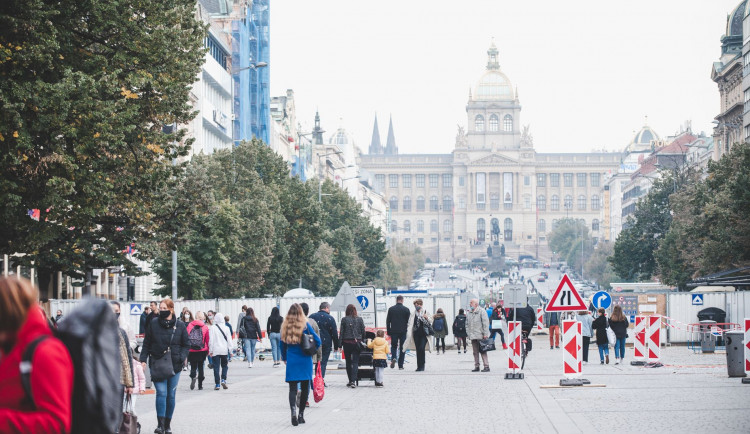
[365, 369]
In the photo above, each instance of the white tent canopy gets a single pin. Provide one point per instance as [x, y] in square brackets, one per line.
[298, 292]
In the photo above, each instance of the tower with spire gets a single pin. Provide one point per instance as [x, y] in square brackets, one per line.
[375, 146]
[390, 144]
[317, 132]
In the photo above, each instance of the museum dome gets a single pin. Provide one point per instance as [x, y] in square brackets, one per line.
[643, 139]
[493, 85]
[734, 20]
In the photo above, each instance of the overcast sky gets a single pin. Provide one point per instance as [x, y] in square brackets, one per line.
[587, 71]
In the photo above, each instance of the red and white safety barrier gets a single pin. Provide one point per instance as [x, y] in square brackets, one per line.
[654, 338]
[747, 346]
[640, 338]
[514, 347]
[539, 318]
[572, 341]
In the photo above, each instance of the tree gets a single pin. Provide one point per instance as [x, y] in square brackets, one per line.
[400, 264]
[598, 267]
[567, 240]
[85, 89]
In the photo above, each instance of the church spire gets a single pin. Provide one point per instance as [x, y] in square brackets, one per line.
[390, 146]
[492, 61]
[317, 132]
[375, 146]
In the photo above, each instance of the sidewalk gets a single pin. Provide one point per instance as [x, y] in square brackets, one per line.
[691, 393]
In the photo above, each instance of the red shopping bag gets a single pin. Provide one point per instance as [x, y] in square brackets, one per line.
[318, 386]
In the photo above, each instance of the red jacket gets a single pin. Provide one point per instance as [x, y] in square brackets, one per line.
[204, 329]
[51, 382]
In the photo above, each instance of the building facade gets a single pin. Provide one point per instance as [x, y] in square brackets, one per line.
[728, 74]
[493, 189]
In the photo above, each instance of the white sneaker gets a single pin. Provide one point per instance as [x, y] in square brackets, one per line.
[251, 364]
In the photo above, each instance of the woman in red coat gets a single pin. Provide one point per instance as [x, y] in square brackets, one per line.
[21, 322]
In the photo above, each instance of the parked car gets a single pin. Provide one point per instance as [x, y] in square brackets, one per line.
[546, 265]
[541, 279]
[544, 274]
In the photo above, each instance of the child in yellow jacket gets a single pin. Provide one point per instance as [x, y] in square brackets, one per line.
[379, 356]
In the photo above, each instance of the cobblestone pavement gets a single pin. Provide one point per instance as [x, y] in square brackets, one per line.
[690, 394]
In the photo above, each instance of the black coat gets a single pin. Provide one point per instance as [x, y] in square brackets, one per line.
[157, 339]
[252, 328]
[620, 328]
[397, 321]
[526, 315]
[273, 324]
[600, 327]
[329, 335]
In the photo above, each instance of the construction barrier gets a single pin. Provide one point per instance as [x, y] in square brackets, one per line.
[572, 348]
[539, 318]
[654, 339]
[747, 346]
[640, 338]
[514, 347]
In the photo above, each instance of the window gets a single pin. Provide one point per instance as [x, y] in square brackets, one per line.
[433, 203]
[507, 123]
[380, 181]
[420, 203]
[393, 181]
[541, 202]
[407, 203]
[494, 201]
[541, 226]
[479, 123]
[568, 202]
[420, 181]
[394, 226]
[581, 179]
[554, 179]
[526, 201]
[541, 179]
[447, 180]
[595, 179]
[595, 202]
[461, 203]
[216, 51]
[595, 225]
[568, 179]
[420, 240]
[433, 180]
[420, 226]
[406, 181]
[508, 224]
[447, 203]
[433, 226]
[394, 203]
[447, 226]
[526, 180]
[407, 226]
[494, 123]
[555, 202]
[461, 181]
[581, 202]
[480, 229]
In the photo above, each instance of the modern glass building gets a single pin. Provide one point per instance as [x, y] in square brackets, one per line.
[260, 78]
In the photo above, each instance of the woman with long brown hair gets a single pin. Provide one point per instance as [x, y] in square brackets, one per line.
[352, 333]
[252, 335]
[299, 366]
[22, 323]
[618, 322]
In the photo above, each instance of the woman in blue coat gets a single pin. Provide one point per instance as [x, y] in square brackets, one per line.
[299, 366]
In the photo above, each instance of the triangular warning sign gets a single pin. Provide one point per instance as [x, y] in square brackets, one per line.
[565, 298]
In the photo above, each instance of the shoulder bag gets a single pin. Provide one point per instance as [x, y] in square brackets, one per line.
[307, 343]
[162, 368]
[242, 332]
[611, 338]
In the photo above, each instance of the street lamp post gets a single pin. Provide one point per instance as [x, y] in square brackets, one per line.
[320, 174]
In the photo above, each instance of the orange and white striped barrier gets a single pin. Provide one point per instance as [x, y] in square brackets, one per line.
[539, 318]
[654, 339]
[640, 338]
[571, 337]
[514, 347]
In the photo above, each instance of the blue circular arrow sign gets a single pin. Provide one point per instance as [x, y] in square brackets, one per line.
[602, 300]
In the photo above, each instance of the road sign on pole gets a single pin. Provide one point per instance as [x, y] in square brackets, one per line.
[566, 298]
[514, 296]
[602, 299]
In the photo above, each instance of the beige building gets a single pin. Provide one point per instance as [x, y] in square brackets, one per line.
[728, 73]
[493, 189]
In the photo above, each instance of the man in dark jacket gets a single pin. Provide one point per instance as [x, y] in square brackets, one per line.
[329, 335]
[396, 324]
[154, 314]
[143, 319]
[527, 317]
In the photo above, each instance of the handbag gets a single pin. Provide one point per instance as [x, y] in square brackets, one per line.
[486, 345]
[307, 343]
[611, 338]
[428, 330]
[319, 390]
[241, 330]
[162, 368]
[129, 423]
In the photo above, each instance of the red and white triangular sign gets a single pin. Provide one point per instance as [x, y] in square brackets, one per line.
[565, 298]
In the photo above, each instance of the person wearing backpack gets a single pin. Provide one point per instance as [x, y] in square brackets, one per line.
[22, 324]
[198, 339]
[166, 337]
[440, 326]
[219, 349]
[459, 330]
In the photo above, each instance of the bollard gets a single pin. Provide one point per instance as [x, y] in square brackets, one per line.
[639, 344]
[654, 339]
[572, 348]
[514, 351]
[539, 317]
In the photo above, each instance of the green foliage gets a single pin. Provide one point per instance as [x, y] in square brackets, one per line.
[567, 240]
[399, 266]
[598, 267]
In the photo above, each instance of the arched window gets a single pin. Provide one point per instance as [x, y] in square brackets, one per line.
[420, 225]
[507, 123]
[541, 226]
[480, 229]
[555, 202]
[581, 202]
[447, 203]
[433, 225]
[595, 225]
[394, 226]
[595, 202]
[541, 202]
[407, 203]
[494, 123]
[508, 224]
[407, 226]
[568, 202]
[433, 203]
[420, 203]
[479, 123]
[447, 226]
[394, 203]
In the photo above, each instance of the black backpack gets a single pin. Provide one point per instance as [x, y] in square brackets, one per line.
[91, 335]
[438, 324]
[461, 324]
[195, 338]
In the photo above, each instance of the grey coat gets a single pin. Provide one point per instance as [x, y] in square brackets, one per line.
[477, 323]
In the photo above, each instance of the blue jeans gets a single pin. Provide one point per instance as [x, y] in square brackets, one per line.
[397, 341]
[603, 349]
[220, 360]
[324, 360]
[249, 348]
[165, 395]
[620, 348]
[275, 339]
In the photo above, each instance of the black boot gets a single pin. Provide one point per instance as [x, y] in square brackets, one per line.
[295, 422]
[301, 418]
[167, 428]
[159, 429]
[200, 383]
